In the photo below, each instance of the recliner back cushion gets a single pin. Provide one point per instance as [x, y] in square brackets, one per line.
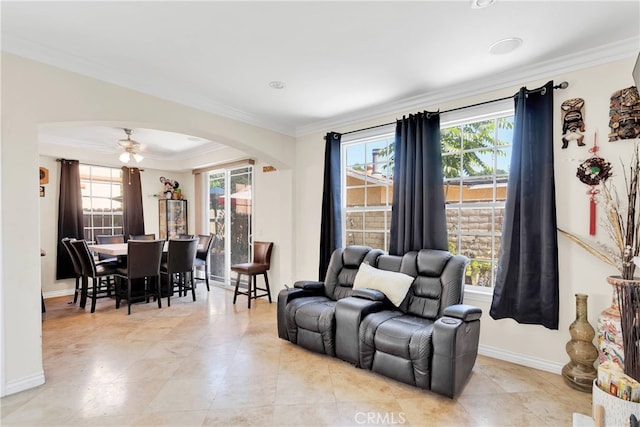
[342, 271]
[434, 287]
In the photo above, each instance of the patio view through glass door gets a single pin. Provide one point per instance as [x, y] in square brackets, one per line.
[230, 220]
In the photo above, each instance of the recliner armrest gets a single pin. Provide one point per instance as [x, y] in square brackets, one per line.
[370, 294]
[284, 297]
[464, 312]
[309, 285]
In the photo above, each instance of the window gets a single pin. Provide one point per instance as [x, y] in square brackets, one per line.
[476, 150]
[367, 176]
[475, 158]
[101, 200]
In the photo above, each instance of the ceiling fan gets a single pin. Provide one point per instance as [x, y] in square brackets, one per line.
[131, 148]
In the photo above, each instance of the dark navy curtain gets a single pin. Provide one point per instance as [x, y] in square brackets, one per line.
[418, 218]
[70, 218]
[132, 212]
[526, 288]
[331, 225]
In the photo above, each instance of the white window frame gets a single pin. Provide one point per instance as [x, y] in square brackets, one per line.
[357, 138]
[469, 115]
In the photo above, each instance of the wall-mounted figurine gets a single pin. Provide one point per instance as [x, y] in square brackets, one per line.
[572, 121]
[624, 114]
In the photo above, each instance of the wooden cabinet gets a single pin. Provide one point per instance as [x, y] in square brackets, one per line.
[173, 218]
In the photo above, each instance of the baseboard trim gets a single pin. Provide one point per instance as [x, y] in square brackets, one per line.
[520, 359]
[59, 293]
[23, 384]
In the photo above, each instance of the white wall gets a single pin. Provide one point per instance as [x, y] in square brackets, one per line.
[579, 271]
[35, 95]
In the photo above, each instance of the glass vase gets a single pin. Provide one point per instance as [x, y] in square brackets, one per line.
[579, 373]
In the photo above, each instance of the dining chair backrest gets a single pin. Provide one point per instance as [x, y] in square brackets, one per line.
[84, 257]
[262, 253]
[142, 237]
[205, 242]
[185, 236]
[77, 267]
[143, 258]
[181, 254]
[103, 239]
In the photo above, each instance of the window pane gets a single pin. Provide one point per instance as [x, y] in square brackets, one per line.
[374, 220]
[377, 195]
[355, 238]
[355, 221]
[355, 197]
[374, 240]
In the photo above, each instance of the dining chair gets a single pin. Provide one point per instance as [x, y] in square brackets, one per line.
[95, 272]
[143, 268]
[177, 272]
[142, 236]
[186, 236]
[105, 239]
[260, 265]
[202, 256]
[77, 267]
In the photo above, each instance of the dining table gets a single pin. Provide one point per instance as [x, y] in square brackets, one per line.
[120, 249]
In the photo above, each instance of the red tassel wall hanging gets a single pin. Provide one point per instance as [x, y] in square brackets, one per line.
[592, 172]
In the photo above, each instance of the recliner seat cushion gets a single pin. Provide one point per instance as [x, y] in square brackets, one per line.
[316, 317]
[311, 323]
[405, 336]
[398, 346]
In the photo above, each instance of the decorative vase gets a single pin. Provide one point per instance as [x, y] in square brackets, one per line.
[610, 342]
[579, 373]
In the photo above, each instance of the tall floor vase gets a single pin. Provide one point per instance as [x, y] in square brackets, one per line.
[579, 373]
[609, 327]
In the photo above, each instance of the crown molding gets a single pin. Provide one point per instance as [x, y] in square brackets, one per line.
[175, 92]
[581, 60]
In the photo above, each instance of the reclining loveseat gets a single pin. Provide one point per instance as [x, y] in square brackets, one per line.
[399, 316]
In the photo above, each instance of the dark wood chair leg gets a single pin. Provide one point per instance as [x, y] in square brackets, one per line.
[192, 283]
[251, 287]
[83, 292]
[235, 292]
[94, 297]
[266, 282]
[206, 275]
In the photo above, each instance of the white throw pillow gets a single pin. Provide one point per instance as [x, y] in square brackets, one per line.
[393, 284]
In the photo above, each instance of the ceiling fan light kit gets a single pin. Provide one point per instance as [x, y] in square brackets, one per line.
[131, 148]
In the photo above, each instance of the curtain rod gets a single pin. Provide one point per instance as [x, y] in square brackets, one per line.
[562, 85]
[98, 166]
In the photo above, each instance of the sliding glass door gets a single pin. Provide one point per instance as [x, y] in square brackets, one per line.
[230, 220]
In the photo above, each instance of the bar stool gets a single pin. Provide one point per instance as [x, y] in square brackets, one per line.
[260, 265]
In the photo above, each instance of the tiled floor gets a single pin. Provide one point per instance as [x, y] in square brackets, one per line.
[212, 363]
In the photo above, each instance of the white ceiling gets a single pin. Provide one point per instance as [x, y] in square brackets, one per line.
[340, 61]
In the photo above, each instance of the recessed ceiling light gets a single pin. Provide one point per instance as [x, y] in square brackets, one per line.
[505, 45]
[481, 4]
[276, 84]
